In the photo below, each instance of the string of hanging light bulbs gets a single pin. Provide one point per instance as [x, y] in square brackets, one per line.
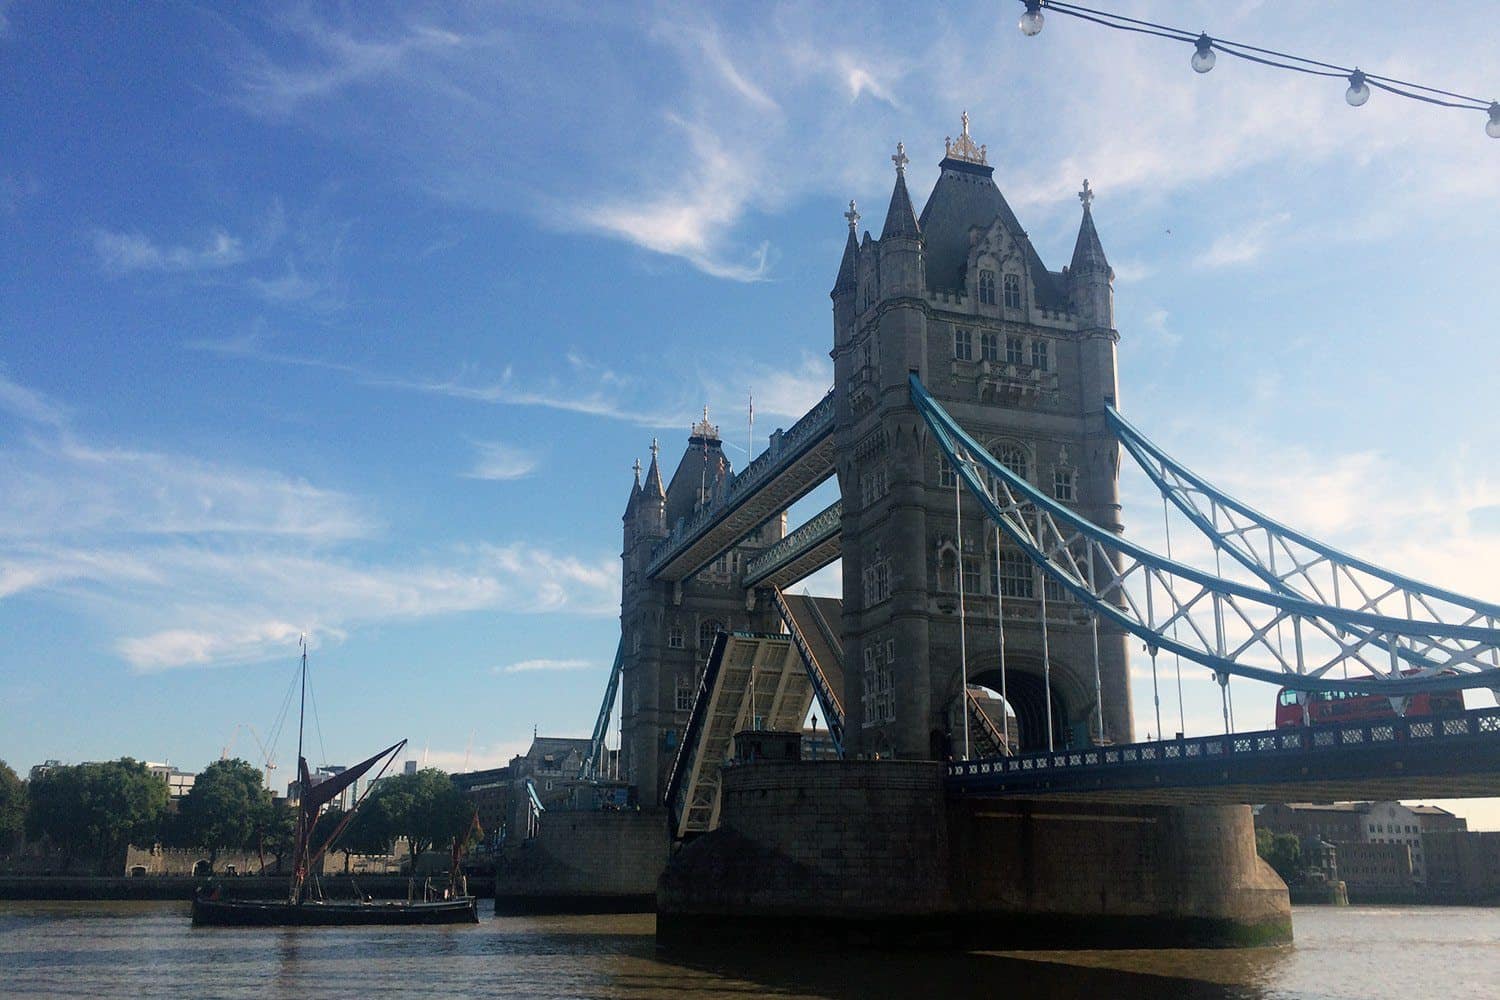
[1205, 48]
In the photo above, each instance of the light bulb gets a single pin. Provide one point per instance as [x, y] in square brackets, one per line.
[1031, 21]
[1203, 59]
[1492, 127]
[1359, 91]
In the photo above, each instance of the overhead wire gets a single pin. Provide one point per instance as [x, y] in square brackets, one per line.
[1268, 56]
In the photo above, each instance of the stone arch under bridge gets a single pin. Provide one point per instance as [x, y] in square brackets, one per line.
[1027, 691]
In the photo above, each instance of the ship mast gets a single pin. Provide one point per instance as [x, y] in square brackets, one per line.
[299, 850]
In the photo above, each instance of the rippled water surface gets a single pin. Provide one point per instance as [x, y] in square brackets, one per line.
[149, 950]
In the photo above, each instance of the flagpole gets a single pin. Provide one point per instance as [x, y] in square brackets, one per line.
[750, 442]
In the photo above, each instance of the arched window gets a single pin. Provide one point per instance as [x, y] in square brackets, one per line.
[987, 287]
[948, 570]
[1012, 291]
[1014, 458]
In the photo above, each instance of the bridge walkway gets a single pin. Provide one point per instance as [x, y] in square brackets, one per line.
[1452, 756]
[753, 680]
[794, 463]
[810, 623]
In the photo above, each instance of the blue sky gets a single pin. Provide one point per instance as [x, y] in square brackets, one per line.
[351, 320]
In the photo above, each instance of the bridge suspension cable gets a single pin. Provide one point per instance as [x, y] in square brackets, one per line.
[1226, 625]
[1309, 568]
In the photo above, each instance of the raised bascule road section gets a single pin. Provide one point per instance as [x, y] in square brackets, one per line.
[986, 782]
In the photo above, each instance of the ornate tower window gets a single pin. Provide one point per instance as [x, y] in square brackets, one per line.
[706, 632]
[1039, 352]
[1015, 575]
[963, 344]
[946, 476]
[987, 288]
[879, 699]
[877, 581]
[872, 484]
[1014, 458]
[1062, 484]
[989, 346]
[1012, 291]
[674, 637]
[1015, 351]
[972, 576]
[684, 701]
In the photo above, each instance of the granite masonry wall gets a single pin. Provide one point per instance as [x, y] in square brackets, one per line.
[872, 852]
[583, 862]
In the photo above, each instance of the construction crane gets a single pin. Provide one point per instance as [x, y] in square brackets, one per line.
[268, 761]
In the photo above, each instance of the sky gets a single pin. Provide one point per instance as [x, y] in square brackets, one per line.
[351, 320]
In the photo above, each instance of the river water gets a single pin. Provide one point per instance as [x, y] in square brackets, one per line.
[139, 950]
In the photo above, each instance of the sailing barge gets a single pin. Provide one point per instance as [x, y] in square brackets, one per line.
[304, 905]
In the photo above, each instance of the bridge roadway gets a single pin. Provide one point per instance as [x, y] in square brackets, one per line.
[1441, 756]
[794, 463]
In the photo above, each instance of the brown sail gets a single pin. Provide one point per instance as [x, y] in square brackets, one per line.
[314, 797]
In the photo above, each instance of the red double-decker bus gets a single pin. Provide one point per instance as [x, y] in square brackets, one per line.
[1346, 706]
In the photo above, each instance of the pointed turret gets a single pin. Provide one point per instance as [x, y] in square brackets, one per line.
[653, 487]
[848, 275]
[900, 218]
[1090, 278]
[1088, 252]
[635, 492]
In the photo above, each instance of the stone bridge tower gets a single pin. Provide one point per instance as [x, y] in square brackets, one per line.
[666, 627]
[1024, 358]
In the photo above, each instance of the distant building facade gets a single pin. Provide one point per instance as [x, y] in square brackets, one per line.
[1352, 825]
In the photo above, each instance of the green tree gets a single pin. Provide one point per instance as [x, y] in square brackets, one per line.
[227, 808]
[425, 808]
[100, 808]
[1283, 852]
[277, 832]
[12, 807]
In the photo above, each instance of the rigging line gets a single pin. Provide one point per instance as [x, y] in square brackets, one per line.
[1109, 20]
[279, 723]
[318, 725]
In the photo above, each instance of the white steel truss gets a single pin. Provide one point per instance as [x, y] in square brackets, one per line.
[1295, 563]
[1227, 626]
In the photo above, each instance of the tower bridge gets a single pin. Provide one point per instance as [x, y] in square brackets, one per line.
[975, 434]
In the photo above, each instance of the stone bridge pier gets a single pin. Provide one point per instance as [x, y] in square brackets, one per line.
[874, 852]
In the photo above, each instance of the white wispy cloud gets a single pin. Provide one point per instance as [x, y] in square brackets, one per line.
[28, 404]
[479, 757]
[1243, 245]
[533, 666]
[191, 562]
[121, 252]
[780, 391]
[758, 117]
[501, 462]
[593, 390]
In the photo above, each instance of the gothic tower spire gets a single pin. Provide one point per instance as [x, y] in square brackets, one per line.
[900, 218]
[1090, 277]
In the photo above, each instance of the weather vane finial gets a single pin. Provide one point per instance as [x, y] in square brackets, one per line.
[1086, 195]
